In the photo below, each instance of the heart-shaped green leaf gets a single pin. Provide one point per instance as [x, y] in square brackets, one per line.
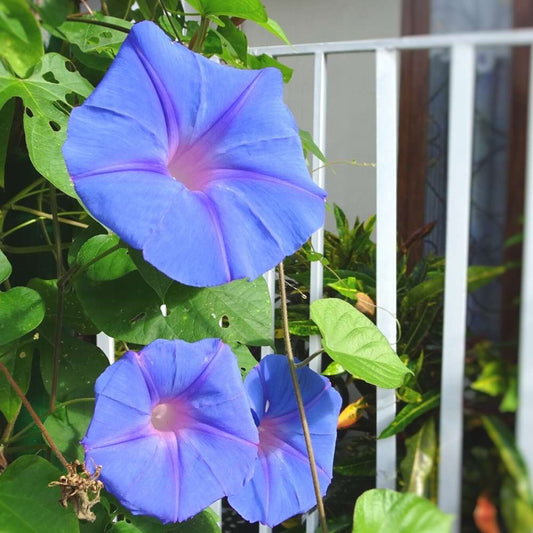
[383, 511]
[354, 342]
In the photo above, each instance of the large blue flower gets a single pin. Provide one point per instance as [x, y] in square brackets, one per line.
[172, 428]
[281, 485]
[199, 165]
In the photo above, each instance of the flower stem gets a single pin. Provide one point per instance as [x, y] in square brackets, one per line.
[60, 297]
[49, 216]
[198, 38]
[299, 400]
[33, 414]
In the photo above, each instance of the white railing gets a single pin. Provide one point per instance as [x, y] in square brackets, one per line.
[461, 105]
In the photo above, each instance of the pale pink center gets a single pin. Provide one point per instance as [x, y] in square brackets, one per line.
[169, 416]
[191, 167]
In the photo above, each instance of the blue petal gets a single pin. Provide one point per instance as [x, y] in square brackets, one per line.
[188, 245]
[282, 485]
[131, 203]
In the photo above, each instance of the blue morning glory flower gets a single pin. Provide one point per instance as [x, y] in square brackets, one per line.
[197, 164]
[172, 428]
[281, 485]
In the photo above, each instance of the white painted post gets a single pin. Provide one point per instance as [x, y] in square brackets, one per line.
[386, 179]
[524, 416]
[317, 239]
[107, 345]
[270, 278]
[460, 134]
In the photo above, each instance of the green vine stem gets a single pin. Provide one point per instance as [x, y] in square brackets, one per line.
[307, 360]
[198, 38]
[299, 401]
[33, 414]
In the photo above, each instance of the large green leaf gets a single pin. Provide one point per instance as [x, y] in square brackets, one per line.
[27, 504]
[430, 400]
[204, 522]
[353, 341]
[246, 9]
[128, 309]
[73, 314]
[68, 425]
[17, 359]
[387, 511]
[80, 363]
[511, 458]
[419, 460]
[21, 310]
[5, 267]
[21, 43]
[45, 95]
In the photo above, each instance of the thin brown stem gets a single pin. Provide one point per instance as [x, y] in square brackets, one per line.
[307, 360]
[299, 401]
[33, 414]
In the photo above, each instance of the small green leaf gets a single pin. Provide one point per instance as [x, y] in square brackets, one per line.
[68, 425]
[273, 27]
[310, 146]
[6, 118]
[20, 36]
[303, 328]
[510, 398]
[28, 504]
[492, 380]
[17, 359]
[419, 460]
[408, 395]
[234, 38]
[21, 310]
[430, 400]
[333, 369]
[5, 267]
[514, 463]
[353, 341]
[245, 9]
[348, 287]
[264, 60]
[45, 94]
[517, 512]
[385, 511]
[111, 266]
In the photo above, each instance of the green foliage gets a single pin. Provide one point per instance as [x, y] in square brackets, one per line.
[384, 511]
[130, 310]
[420, 459]
[430, 400]
[206, 522]
[20, 36]
[48, 94]
[353, 341]
[5, 267]
[27, 504]
[21, 311]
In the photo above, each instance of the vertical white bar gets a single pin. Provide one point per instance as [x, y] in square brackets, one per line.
[524, 416]
[107, 345]
[270, 278]
[317, 239]
[386, 178]
[217, 509]
[460, 135]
